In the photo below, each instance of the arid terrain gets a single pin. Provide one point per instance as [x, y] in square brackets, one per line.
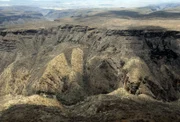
[90, 65]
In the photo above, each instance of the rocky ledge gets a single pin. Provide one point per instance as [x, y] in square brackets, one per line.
[72, 62]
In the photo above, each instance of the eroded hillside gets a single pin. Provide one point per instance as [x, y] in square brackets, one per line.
[72, 62]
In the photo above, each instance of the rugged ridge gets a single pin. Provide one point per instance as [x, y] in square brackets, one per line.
[72, 62]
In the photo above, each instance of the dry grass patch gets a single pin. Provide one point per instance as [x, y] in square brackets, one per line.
[9, 100]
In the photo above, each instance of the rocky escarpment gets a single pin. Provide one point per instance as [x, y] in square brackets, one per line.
[71, 62]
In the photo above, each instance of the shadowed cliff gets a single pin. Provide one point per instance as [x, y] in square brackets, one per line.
[73, 62]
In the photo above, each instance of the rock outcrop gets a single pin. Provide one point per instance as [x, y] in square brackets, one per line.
[73, 62]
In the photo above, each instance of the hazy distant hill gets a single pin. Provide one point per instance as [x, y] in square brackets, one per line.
[20, 14]
[163, 6]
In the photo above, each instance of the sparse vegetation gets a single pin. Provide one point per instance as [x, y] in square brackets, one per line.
[115, 64]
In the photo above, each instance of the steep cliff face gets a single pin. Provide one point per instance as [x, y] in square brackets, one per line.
[72, 62]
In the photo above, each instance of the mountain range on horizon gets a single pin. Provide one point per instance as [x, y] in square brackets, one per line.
[71, 4]
[89, 61]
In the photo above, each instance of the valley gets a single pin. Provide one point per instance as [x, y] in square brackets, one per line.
[90, 65]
